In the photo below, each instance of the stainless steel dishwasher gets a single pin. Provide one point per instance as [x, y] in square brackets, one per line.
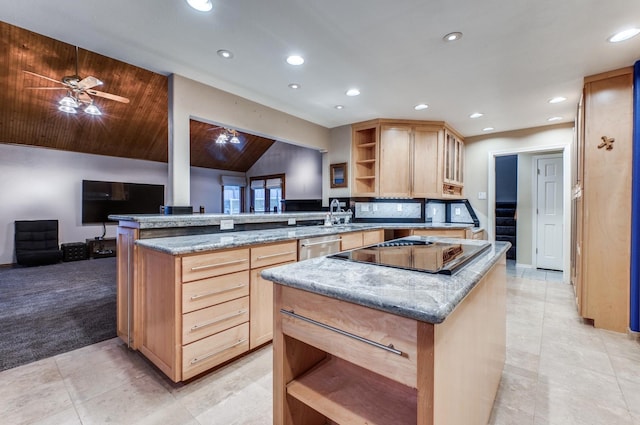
[318, 246]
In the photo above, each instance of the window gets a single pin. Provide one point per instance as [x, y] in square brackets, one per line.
[267, 192]
[233, 194]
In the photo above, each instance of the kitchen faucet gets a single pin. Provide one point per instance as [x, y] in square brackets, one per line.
[334, 204]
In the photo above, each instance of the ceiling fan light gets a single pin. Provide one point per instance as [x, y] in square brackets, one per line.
[92, 110]
[67, 109]
[69, 102]
[235, 140]
[222, 139]
[201, 5]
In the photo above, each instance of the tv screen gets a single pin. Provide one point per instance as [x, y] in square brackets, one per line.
[100, 199]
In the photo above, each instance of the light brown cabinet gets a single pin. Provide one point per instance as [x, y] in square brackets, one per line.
[261, 324]
[341, 363]
[601, 255]
[200, 310]
[419, 159]
[359, 239]
[364, 172]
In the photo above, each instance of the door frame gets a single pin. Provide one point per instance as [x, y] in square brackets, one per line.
[566, 205]
[534, 202]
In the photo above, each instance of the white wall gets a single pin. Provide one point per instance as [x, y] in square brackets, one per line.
[480, 154]
[190, 99]
[38, 183]
[302, 168]
[339, 151]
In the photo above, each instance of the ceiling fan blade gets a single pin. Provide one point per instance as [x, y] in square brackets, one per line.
[88, 82]
[108, 96]
[83, 97]
[46, 88]
[42, 76]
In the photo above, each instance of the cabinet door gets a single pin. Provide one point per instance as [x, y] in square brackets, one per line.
[427, 163]
[395, 154]
[260, 309]
[607, 189]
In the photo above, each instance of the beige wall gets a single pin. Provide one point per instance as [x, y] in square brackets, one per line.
[480, 152]
[190, 99]
[339, 151]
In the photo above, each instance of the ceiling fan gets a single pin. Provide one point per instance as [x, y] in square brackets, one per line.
[79, 91]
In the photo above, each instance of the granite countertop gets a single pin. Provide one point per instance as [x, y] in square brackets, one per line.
[416, 295]
[178, 245]
[159, 221]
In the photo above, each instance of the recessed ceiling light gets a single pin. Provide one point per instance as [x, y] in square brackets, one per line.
[295, 60]
[201, 5]
[353, 92]
[624, 35]
[452, 36]
[557, 99]
[339, 107]
[476, 115]
[554, 119]
[487, 129]
[294, 86]
[421, 106]
[225, 54]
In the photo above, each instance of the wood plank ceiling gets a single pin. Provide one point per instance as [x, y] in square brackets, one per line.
[136, 130]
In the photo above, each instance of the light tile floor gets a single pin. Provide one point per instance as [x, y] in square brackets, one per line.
[559, 371]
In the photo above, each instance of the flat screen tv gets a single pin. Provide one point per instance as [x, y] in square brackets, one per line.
[100, 199]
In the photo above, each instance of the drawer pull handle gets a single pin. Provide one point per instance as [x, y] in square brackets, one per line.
[320, 243]
[221, 291]
[388, 348]
[206, 356]
[217, 320]
[277, 254]
[212, 266]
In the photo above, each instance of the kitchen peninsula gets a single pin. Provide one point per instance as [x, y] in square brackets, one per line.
[362, 343]
[195, 298]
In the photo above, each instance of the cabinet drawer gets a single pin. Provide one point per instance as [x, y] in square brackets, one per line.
[445, 233]
[216, 263]
[267, 255]
[350, 241]
[202, 355]
[372, 237]
[214, 290]
[208, 321]
[363, 325]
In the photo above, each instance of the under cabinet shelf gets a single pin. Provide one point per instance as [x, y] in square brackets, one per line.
[365, 161]
[367, 145]
[348, 394]
[365, 178]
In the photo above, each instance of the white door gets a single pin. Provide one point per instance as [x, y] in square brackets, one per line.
[549, 217]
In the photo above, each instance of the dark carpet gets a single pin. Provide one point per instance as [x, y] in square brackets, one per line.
[53, 309]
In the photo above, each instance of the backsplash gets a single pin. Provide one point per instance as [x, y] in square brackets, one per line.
[388, 210]
[448, 212]
[436, 212]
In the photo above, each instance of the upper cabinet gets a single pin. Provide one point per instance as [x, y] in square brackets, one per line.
[364, 173]
[419, 159]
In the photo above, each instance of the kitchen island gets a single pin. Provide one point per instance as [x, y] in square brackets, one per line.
[364, 344]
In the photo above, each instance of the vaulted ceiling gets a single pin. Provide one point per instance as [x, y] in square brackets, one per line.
[138, 129]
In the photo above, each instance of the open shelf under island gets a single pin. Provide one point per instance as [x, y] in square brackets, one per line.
[365, 344]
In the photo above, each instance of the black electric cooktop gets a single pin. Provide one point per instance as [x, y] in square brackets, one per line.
[416, 253]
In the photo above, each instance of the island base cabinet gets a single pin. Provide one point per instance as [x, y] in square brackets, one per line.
[446, 374]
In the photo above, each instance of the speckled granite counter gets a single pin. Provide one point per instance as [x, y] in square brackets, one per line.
[416, 295]
[178, 245]
[159, 221]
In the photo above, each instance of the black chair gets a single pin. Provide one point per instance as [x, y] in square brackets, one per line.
[36, 242]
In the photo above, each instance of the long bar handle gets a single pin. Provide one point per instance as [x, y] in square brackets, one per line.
[277, 254]
[388, 348]
[211, 266]
[320, 243]
[217, 320]
[206, 356]
[221, 291]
